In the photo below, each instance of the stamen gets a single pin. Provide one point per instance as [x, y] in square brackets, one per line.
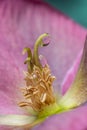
[43, 97]
[40, 92]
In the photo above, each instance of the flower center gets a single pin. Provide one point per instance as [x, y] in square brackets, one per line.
[38, 92]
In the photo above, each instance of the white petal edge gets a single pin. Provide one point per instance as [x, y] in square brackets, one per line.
[16, 120]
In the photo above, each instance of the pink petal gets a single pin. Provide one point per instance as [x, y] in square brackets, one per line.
[21, 22]
[10, 128]
[69, 78]
[73, 120]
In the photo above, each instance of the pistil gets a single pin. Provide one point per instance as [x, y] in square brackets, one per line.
[39, 43]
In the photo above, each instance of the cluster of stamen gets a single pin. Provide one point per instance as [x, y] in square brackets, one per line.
[38, 91]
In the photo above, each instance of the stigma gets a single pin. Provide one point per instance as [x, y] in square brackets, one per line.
[38, 92]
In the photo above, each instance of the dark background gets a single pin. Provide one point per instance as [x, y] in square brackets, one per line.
[76, 9]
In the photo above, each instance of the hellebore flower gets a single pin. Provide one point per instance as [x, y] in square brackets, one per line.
[20, 23]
